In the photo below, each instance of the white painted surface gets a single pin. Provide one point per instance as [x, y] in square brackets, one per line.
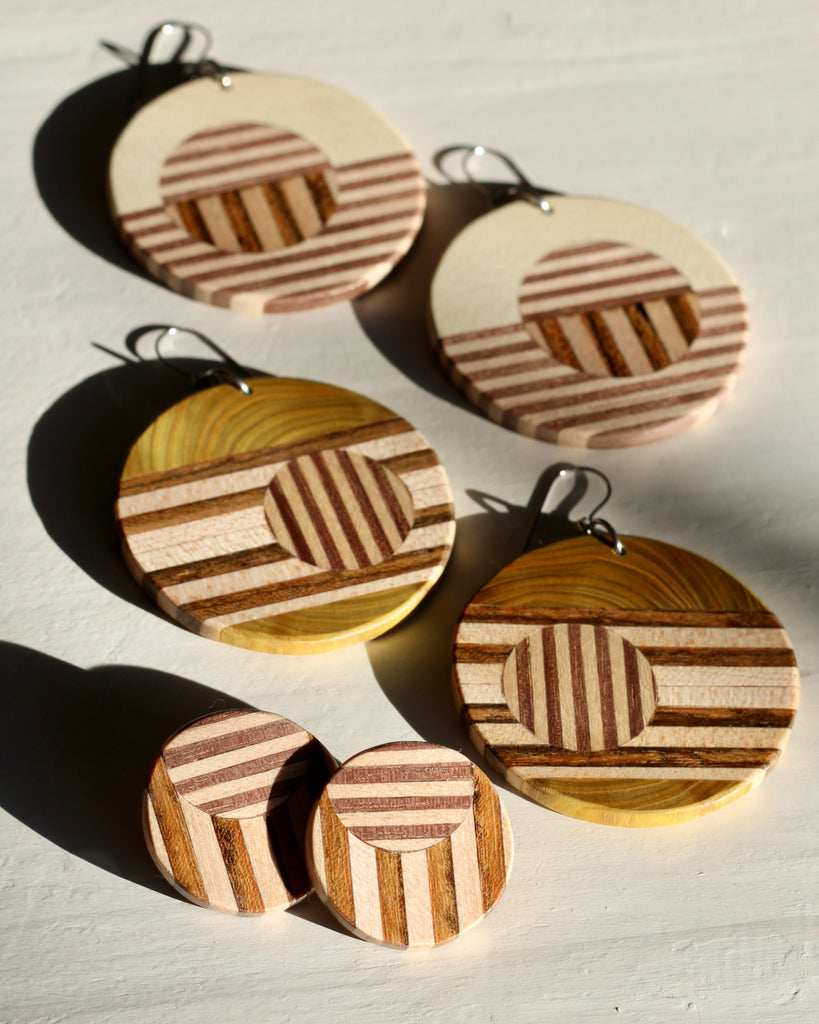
[705, 112]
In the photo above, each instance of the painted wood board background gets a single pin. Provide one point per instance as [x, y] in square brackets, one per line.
[702, 112]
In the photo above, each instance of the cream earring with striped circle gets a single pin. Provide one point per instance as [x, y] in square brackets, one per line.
[264, 193]
[586, 322]
[284, 515]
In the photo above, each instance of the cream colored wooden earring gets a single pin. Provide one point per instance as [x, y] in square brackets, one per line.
[283, 515]
[585, 322]
[263, 193]
[625, 682]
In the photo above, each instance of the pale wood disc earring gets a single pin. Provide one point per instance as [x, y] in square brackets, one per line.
[298, 518]
[587, 322]
[226, 807]
[265, 193]
[409, 845]
[639, 689]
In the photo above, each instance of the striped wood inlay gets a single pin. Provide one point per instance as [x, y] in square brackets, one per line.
[708, 719]
[262, 219]
[299, 518]
[409, 844]
[247, 188]
[226, 807]
[609, 310]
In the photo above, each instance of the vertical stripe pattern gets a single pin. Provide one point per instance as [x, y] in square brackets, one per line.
[227, 805]
[409, 844]
[578, 686]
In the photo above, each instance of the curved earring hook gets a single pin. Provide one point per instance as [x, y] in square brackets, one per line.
[592, 524]
[523, 188]
[229, 373]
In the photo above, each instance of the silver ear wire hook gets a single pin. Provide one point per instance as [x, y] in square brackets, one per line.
[520, 189]
[229, 373]
[592, 524]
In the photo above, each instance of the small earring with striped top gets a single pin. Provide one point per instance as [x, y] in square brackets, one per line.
[623, 681]
[286, 516]
[582, 321]
[262, 193]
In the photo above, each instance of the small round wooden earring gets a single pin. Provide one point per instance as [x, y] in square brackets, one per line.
[409, 845]
[226, 808]
[626, 682]
[585, 322]
[263, 193]
[283, 515]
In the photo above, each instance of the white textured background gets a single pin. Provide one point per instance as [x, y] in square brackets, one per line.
[704, 111]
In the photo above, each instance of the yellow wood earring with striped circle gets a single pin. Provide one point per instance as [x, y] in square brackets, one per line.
[639, 689]
[298, 518]
[586, 322]
[264, 193]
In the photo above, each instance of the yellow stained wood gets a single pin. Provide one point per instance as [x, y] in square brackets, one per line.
[198, 538]
[409, 845]
[276, 194]
[599, 325]
[575, 617]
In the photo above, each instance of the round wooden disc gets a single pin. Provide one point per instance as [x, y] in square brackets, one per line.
[409, 845]
[600, 325]
[226, 808]
[642, 689]
[273, 195]
[297, 519]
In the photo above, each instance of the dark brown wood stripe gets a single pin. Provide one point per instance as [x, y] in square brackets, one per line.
[492, 714]
[557, 343]
[240, 222]
[227, 464]
[445, 771]
[365, 506]
[174, 831]
[391, 896]
[342, 805]
[239, 867]
[631, 667]
[175, 515]
[487, 332]
[482, 654]
[554, 718]
[400, 521]
[585, 268]
[595, 286]
[646, 331]
[723, 718]
[715, 332]
[495, 350]
[606, 345]
[489, 838]
[185, 189]
[680, 306]
[337, 871]
[237, 157]
[741, 619]
[374, 833]
[382, 200]
[192, 221]
[383, 179]
[541, 362]
[378, 161]
[341, 511]
[316, 518]
[282, 214]
[524, 685]
[237, 740]
[644, 294]
[216, 566]
[321, 195]
[442, 891]
[409, 462]
[728, 657]
[601, 415]
[607, 708]
[244, 770]
[638, 757]
[578, 689]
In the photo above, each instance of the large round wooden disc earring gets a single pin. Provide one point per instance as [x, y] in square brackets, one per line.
[284, 515]
[264, 193]
[586, 322]
[639, 688]
[409, 845]
[226, 807]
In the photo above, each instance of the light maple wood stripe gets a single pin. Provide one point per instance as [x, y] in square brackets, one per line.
[402, 890]
[231, 834]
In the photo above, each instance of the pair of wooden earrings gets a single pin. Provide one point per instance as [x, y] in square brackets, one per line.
[408, 844]
[579, 321]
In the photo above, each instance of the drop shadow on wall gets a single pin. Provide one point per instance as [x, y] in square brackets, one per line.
[412, 662]
[76, 452]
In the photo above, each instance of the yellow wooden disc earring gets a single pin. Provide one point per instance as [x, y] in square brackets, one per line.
[624, 680]
[283, 515]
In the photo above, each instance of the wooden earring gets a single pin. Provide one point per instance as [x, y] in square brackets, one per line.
[283, 515]
[409, 845]
[638, 688]
[226, 807]
[263, 193]
[585, 322]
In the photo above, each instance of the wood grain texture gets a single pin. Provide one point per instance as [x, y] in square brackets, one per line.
[409, 845]
[226, 808]
[643, 689]
[298, 519]
[629, 329]
[277, 194]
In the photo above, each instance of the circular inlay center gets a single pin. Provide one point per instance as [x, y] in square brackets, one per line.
[241, 765]
[403, 796]
[248, 188]
[338, 510]
[609, 310]
[580, 687]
